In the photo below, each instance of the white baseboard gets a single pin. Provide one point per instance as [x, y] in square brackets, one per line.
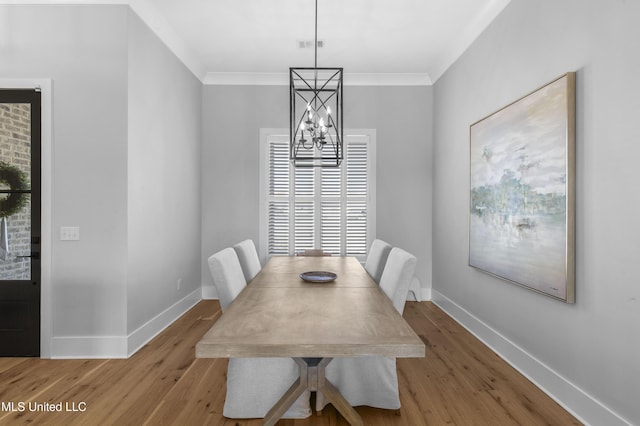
[417, 292]
[426, 294]
[584, 407]
[420, 294]
[153, 327]
[209, 292]
[81, 347]
[84, 347]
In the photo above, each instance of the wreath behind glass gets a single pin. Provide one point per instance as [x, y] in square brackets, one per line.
[16, 180]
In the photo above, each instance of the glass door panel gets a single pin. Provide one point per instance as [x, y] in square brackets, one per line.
[15, 191]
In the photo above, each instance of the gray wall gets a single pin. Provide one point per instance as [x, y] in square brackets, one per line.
[593, 345]
[126, 142]
[232, 118]
[165, 101]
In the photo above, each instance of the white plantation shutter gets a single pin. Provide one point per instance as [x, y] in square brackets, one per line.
[331, 214]
[357, 155]
[357, 192]
[278, 204]
[331, 227]
[278, 227]
[357, 243]
[326, 208]
[304, 182]
[304, 227]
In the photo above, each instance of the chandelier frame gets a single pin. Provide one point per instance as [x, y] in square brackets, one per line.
[315, 95]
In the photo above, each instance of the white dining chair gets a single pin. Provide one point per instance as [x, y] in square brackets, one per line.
[254, 385]
[376, 259]
[373, 380]
[228, 278]
[397, 276]
[249, 260]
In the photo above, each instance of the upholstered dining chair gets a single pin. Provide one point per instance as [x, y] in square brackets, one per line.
[228, 278]
[373, 380]
[254, 385]
[397, 275]
[248, 257]
[376, 259]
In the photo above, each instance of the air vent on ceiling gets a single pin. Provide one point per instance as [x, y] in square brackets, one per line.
[308, 44]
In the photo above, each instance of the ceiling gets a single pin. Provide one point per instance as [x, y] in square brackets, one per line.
[239, 41]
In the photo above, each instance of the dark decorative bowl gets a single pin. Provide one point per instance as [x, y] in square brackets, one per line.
[318, 276]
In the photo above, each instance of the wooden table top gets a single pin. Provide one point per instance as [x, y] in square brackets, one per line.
[279, 314]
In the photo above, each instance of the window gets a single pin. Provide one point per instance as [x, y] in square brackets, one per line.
[328, 208]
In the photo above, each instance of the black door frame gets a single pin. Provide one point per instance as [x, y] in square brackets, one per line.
[28, 341]
[44, 85]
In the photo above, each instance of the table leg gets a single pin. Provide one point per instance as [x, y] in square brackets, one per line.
[335, 397]
[312, 377]
[290, 396]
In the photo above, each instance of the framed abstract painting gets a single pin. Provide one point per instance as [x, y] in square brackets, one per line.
[522, 191]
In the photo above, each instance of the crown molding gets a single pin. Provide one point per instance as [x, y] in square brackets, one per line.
[387, 79]
[282, 79]
[246, 79]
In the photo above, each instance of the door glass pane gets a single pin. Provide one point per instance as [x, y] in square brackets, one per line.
[15, 197]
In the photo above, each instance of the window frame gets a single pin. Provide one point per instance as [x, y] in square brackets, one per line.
[267, 135]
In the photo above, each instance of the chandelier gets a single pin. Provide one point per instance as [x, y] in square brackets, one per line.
[315, 108]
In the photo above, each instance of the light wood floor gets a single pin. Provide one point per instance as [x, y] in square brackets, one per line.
[460, 382]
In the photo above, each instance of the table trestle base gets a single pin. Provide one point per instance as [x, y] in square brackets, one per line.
[312, 378]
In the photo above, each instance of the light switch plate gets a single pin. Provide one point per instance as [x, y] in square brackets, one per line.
[69, 233]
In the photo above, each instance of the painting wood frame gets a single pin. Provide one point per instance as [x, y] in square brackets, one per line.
[522, 191]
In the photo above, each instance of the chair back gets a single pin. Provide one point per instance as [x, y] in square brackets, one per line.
[396, 276]
[376, 259]
[227, 275]
[248, 257]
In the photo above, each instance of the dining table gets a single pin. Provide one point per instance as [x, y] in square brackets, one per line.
[279, 314]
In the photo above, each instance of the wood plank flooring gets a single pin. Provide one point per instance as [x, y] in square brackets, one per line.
[460, 382]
